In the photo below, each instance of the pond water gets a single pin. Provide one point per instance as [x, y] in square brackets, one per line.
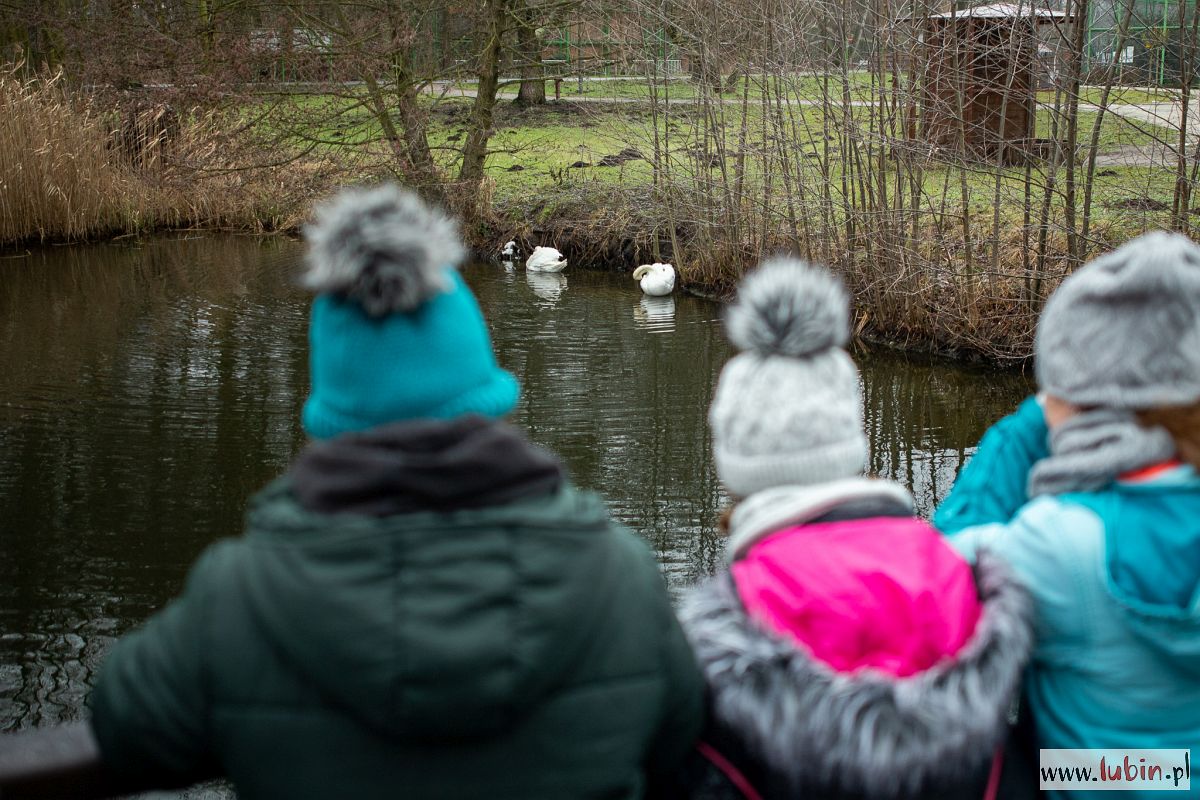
[148, 388]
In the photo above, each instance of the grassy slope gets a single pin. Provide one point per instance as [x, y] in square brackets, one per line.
[535, 150]
[545, 145]
[805, 87]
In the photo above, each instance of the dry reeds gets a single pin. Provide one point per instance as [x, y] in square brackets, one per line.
[59, 178]
[70, 171]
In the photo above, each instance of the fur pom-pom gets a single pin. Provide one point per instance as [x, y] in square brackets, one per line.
[787, 307]
[381, 247]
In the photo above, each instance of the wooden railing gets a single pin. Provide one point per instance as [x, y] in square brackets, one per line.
[58, 762]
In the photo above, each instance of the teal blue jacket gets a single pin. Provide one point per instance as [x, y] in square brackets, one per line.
[1115, 576]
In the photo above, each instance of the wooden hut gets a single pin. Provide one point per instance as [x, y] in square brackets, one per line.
[978, 77]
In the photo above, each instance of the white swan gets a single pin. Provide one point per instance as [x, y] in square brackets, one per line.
[545, 259]
[656, 280]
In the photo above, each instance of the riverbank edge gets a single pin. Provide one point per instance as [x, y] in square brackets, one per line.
[585, 248]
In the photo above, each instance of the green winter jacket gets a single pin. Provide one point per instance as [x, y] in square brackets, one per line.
[525, 649]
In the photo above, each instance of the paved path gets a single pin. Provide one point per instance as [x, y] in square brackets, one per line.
[1154, 153]
[1166, 114]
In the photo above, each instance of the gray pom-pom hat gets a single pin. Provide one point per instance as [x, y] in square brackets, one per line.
[787, 410]
[1123, 332]
[1120, 335]
[382, 247]
[395, 334]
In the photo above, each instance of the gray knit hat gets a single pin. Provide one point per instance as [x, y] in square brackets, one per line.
[787, 410]
[1123, 332]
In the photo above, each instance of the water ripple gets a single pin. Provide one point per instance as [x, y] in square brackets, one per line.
[146, 391]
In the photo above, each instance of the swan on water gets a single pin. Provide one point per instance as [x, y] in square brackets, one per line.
[545, 259]
[656, 280]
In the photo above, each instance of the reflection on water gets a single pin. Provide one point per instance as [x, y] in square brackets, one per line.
[655, 314]
[548, 286]
[144, 393]
[147, 390]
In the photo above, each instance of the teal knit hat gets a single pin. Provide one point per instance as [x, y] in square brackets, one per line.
[395, 332]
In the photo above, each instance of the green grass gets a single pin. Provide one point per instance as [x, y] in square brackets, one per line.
[1128, 95]
[535, 151]
[546, 150]
[1116, 132]
[796, 87]
[802, 87]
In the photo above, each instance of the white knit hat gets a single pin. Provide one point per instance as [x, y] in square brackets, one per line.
[787, 409]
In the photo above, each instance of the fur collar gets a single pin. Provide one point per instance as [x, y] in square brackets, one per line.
[770, 510]
[867, 731]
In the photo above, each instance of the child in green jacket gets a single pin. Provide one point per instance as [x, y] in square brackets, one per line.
[423, 606]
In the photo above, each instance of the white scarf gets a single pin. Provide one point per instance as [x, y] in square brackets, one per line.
[765, 512]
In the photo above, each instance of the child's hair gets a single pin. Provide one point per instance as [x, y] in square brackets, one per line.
[723, 519]
[1183, 423]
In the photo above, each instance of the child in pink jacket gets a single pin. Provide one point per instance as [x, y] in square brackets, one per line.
[848, 650]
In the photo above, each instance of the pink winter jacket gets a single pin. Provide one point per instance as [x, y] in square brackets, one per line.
[881, 592]
[849, 652]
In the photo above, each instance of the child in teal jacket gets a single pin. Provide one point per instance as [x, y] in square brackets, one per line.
[1091, 493]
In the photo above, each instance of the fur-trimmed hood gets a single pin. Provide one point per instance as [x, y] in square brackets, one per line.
[866, 731]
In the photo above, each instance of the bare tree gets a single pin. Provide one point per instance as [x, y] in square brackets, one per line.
[529, 54]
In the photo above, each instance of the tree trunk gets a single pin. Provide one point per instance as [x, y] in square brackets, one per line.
[424, 172]
[413, 118]
[411, 149]
[479, 129]
[704, 68]
[531, 93]
[283, 62]
[1070, 207]
[1110, 73]
[205, 18]
[529, 53]
[1182, 202]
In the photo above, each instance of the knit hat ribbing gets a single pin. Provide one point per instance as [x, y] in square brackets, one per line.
[395, 333]
[1123, 332]
[787, 410]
